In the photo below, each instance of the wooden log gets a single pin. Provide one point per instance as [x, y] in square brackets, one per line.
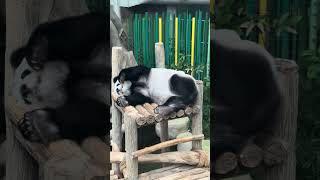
[159, 55]
[116, 118]
[66, 152]
[111, 172]
[287, 123]
[162, 145]
[197, 118]
[140, 119]
[225, 163]
[275, 152]
[142, 111]
[97, 149]
[173, 115]
[160, 63]
[205, 174]
[115, 167]
[150, 109]
[186, 157]
[183, 174]
[158, 173]
[188, 111]
[180, 113]
[196, 109]
[251, 155]
[164, 134]
[154, 105]
[113, 177]
[131, 141]
[148, 117]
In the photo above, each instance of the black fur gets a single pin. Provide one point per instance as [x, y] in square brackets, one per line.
[63, 39]
[81, 42]
[246, 94]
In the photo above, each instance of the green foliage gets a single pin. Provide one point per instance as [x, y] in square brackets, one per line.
[231, 14]
[185, 66]
[308, 136]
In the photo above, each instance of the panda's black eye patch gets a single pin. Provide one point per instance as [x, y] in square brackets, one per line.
[24, 91]
[25, 73]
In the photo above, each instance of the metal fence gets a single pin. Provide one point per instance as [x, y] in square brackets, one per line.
[185, 36]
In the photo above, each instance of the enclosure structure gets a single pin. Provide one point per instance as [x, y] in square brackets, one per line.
[182, 26]
[63, 159]
[143, 115]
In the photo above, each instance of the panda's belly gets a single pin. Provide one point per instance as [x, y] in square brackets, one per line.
[159, 84]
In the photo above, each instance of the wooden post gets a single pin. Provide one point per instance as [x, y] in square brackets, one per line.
[197, 118]
[116, 118]
[287, 127]
[21, 18]
[131, 141]
[160, 56]
[160, 63]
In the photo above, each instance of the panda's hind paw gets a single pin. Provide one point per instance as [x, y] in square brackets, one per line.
[122, 102]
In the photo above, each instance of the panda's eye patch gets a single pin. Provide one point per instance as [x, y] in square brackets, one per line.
[25, 73]
[24, 90]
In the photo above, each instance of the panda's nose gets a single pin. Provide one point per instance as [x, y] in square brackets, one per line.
[118, 90]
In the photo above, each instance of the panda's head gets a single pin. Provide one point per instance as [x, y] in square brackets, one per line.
[122, 87]
[38, 89]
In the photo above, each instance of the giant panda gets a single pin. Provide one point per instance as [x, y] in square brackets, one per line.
[246, 94]
[170, 89]
[61, 78]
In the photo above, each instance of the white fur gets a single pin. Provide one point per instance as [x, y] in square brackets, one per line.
[49, 92]
[157, 84]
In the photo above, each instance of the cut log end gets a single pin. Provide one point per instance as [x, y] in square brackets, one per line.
[275, 152]
[225, 163]
[180, 113]
[251, 156]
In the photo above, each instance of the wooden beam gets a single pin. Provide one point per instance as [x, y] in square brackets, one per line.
[162, 145]
[186, 157]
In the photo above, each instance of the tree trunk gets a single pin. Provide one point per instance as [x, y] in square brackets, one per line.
[22, 17]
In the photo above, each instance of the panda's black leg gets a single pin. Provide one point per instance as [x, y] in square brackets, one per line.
[37, 126]
[186, 92]
[133, 99]
[174, 103]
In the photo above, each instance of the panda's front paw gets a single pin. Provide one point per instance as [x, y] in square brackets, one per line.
[122, 102]
[36, 64]
[27, 129]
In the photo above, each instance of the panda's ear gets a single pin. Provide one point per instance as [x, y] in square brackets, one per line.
[40, 49]
[17, 57]
[122, 77]
[115, 79]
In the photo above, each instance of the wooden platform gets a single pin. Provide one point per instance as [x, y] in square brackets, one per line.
[146, 115]
[175, 172]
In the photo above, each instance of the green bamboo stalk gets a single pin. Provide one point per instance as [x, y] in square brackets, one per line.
[199, 30]
[179, 35]
[146, 27]
[166, 47]
[313, 24]
[188, 39]
[135, 49]
[208, 52]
